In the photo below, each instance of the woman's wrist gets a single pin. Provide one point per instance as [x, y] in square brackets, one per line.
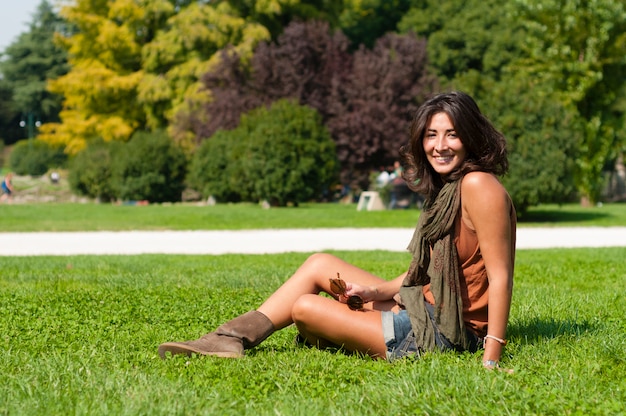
[500, 341]
[373, 293]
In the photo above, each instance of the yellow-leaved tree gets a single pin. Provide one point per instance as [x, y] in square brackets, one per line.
[182, 52]
[134, 63]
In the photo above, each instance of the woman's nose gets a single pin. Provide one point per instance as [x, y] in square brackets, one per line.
[441, 143]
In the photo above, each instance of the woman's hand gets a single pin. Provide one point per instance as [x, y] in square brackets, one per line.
[493, 365]
[367, 293]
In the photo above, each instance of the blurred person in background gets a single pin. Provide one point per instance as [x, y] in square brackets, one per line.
[7, 188]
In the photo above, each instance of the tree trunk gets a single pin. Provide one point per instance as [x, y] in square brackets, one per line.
[619, 184]
[585, 201]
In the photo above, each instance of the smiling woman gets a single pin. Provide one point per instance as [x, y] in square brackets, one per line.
[460, 301]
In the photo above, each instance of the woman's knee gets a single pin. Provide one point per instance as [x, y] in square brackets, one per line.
[305, 308]
[318, 260]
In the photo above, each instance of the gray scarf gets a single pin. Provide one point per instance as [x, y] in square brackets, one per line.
[435, 230]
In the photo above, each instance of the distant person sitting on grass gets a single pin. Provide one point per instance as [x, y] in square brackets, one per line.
[7, 188]
[459, 300]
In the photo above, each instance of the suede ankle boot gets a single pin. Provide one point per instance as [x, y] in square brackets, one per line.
[228, 340]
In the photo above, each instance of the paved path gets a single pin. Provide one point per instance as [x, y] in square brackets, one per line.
[273, 241]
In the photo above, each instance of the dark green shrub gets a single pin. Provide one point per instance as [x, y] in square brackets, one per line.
[282, 155]
[211, 169]
[35, 157]
[149, 167]
[90, 171]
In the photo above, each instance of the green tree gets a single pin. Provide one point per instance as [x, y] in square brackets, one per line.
[538, 130]
[10, 130]
[1, 154]
[290, 153]
[569, 54]
[211, 170]
[579, 47]
[365, 21]
[26, 67]
[466, 38]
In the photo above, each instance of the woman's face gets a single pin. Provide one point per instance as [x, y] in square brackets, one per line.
[444, 150]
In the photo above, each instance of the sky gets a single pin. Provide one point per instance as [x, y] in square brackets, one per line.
[15, 17]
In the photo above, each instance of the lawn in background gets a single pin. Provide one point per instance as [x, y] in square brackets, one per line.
[95, 217]
[79, 335]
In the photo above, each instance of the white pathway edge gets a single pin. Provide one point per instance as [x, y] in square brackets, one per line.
[273, 241]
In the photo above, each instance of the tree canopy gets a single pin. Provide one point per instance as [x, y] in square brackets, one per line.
[550, 74]
[366, 99]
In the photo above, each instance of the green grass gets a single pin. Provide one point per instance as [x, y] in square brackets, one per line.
[93, 217]
[79, 336]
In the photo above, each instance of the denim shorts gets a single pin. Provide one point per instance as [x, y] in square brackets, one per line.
[400, 340]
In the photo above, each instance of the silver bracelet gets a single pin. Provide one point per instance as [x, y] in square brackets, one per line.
[490, 363]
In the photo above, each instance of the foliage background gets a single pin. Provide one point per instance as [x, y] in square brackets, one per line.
[550, 75]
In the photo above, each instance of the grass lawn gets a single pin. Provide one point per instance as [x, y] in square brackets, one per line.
[79, 336]
[95, 217]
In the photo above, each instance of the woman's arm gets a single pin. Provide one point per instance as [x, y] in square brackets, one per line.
[382, 291]
[486, 209]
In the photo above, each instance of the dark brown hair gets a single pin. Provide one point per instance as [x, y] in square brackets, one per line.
[485, 146]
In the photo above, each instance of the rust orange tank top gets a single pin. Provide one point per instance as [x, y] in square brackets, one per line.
[474, 284]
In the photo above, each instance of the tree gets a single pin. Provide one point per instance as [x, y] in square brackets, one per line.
[10, 130]
[578, 47]
[100, 89]
[538, 130]
[135, 64]
[184, 49]
[465, 38]
[365, 99]
[568, 54]
[35, 157]
[276, 15]
[304, 64]
[369, 114]
[365, 21]
[28, 64]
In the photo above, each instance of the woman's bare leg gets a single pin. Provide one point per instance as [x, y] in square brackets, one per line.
[322, 320]
[312, 278]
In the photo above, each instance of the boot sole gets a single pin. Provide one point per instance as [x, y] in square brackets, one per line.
[177, 349]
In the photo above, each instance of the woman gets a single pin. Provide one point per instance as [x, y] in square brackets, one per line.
[460, 300]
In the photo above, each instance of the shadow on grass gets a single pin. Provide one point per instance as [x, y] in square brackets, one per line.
[547, 328]
[549, 216]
